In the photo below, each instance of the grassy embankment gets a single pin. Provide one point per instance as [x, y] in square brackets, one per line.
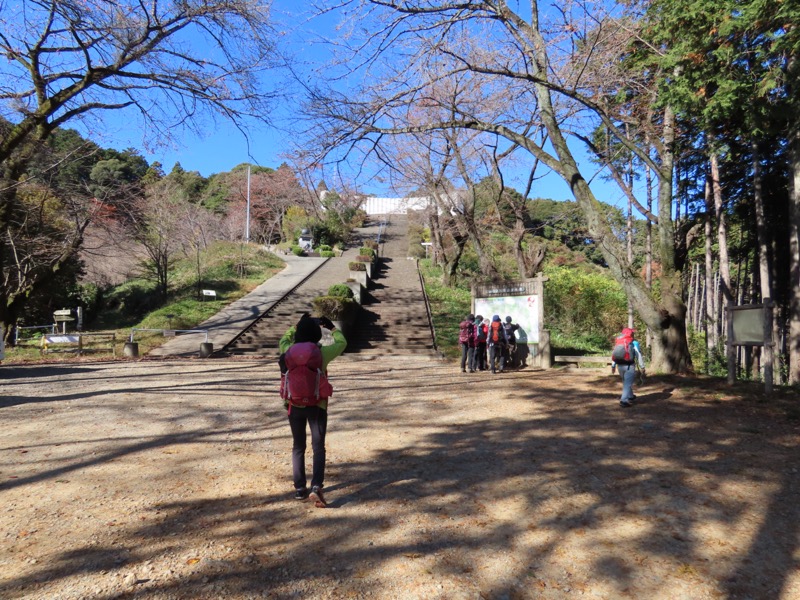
[230, 269]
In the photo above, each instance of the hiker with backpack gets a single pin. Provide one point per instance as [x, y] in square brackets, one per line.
[466, 338]
[496, 342]
[479, 355]
[624, 356]
[305, 391]
[511, 348]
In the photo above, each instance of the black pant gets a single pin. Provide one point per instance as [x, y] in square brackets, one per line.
[317, 419]
[467, 357]
[479, 357]
[497, 359]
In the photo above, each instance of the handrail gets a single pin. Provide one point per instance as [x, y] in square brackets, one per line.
[130, 339]
[427, 307]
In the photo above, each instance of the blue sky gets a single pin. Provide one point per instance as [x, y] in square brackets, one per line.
[223, 146]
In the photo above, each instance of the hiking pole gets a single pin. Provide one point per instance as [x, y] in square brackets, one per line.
[639, 375]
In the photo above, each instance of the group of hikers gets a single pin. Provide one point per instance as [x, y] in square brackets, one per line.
[490, 344]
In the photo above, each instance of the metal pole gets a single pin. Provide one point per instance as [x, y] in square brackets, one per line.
[247, 218]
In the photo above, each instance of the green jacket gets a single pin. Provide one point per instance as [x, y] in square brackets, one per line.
[328, 354]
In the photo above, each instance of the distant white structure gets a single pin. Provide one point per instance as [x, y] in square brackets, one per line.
[394, 206]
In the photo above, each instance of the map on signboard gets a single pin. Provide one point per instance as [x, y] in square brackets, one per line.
[523, 310]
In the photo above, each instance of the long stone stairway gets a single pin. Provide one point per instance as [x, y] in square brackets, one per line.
[393, 319]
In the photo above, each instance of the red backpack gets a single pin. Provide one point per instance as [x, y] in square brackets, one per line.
[304, 383]
[622, 347]
[496, 333]
[467, 329]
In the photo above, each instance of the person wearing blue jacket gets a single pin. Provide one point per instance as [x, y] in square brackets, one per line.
[627, 369]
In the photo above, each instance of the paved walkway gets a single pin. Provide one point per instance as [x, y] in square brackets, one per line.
[229, 322]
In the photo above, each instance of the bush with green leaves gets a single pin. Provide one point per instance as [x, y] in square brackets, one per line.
[336, 308]
[340, 289]
[327, 254]
[583, 306]
[357, 266]
[366, 252]
[297, 251]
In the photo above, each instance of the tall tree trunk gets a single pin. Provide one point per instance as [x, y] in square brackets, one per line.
[710, 323]
[722, 228]
[629, 248]
[794, 253]
[764, 271]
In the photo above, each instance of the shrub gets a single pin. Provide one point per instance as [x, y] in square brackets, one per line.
[357, 266]
[327, 254]
[324, 248]
[297, 251]
[364, 258]
[366, 252]
[340, 290]
[370, 244]
[336, 308]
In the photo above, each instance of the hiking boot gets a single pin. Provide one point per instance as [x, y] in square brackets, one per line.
[625, 403]
[463, 370]
[317, 497]
[301, 494]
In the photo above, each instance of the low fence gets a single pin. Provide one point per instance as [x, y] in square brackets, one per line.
[80, 343]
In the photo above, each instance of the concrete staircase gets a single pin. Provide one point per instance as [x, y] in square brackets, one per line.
[393, 319]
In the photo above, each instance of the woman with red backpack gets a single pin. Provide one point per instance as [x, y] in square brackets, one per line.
[479, 355]
[466, 338]
[497, 341]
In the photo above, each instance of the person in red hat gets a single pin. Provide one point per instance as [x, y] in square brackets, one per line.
[624, 356]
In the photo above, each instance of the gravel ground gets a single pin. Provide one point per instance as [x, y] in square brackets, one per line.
[172, 479]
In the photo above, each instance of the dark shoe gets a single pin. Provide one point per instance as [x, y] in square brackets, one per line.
[625, 403]
[472, 370]
[317, 497]
[463, 370]
[301, 494]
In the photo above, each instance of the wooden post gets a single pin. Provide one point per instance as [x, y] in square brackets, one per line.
[769, 346]
[731, 349]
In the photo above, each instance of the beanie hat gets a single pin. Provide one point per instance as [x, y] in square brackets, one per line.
[308, 330]
[508, 319]
[496, 318]
[470, 317]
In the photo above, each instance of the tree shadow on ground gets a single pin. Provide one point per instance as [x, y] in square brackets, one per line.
[663, 483]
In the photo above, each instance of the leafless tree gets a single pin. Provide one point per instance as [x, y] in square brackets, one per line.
[171, 63]
[519, 56]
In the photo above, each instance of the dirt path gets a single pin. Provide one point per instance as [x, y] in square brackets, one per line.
[165, 480]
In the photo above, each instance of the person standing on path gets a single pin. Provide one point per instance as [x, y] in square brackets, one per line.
[624, 357]
[511, 349]
[497, 343]
[479, 355]
[466, 338]
[309, 329]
